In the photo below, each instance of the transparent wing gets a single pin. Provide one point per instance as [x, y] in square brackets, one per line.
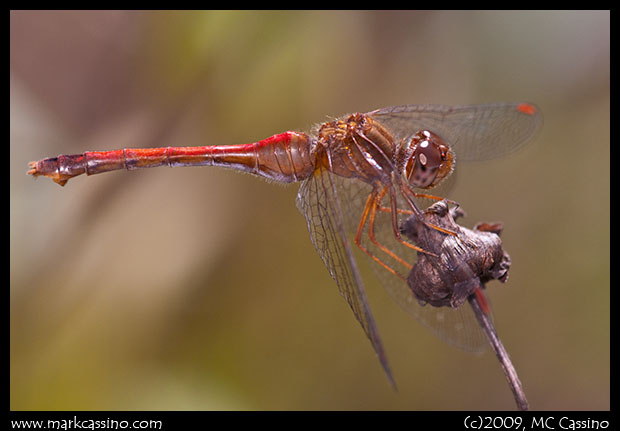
[330, 203]
[320, 200]
[474, 132]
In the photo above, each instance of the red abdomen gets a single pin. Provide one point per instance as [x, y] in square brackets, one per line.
[285, 157]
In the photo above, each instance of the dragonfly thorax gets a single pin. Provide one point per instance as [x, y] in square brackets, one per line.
[356, 147]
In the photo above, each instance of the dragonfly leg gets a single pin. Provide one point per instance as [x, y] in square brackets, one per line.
[389, 210]
[408, 194]
[369, 209]
[371, 231]
[433, 197]
[394, 210]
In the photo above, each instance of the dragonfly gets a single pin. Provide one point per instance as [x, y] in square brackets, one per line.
[361, 176]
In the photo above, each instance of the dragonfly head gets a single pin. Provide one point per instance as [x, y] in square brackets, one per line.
[427, 160]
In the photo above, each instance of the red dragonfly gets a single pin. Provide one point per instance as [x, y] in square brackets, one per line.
[359, 179]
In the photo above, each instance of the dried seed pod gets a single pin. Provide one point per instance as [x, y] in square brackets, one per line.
[466, 260]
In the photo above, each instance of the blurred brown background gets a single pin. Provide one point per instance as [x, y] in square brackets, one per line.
[200, 289]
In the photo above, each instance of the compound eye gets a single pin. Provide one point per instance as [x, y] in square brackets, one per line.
[427, 159]
[428, 155]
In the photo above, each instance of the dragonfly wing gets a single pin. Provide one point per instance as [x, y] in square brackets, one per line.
[319, 200]
[474, 132]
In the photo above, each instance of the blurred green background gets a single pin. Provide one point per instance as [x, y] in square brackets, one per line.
[200, 289]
